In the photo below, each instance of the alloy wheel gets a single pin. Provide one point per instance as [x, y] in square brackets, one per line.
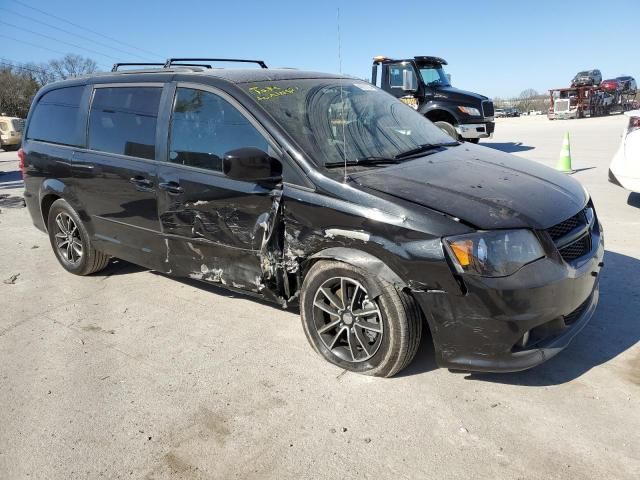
[347, 321]
[68, 240]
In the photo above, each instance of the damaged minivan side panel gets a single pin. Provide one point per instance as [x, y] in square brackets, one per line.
[393, 246]
[216, 228]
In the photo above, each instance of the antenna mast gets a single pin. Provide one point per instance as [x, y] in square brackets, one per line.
[344, 135]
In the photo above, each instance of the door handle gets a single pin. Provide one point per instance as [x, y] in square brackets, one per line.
[141, 183]
[173, 188]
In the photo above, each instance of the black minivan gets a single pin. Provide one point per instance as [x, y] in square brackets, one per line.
[321, 190]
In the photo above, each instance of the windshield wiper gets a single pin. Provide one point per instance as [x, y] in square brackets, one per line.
[364, 161]
[425, 147]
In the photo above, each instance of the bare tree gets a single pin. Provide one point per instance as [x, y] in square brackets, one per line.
[72, 65]
[527, 98]
[18, 89]
[41, 72]
[19, 83]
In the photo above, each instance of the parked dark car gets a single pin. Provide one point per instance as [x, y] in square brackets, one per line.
[587, 78]
[322, 190]
[511, 112]
[628, 84]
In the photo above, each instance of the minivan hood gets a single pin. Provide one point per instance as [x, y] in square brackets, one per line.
[483, 187]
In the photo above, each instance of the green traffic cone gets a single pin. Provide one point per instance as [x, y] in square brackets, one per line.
[564, 162]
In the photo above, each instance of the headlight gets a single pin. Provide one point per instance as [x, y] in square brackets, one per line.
[474, 112]
[494, 254]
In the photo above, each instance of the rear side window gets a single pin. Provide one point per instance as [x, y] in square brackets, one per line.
[4, 127]
[123, 120]
[56, 115]
[204, 127]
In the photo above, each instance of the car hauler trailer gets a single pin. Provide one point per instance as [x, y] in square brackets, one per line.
[591, 101]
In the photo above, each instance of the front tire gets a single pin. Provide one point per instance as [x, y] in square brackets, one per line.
[447, 128]
[71, 242]
[472, 140]
[350, 328]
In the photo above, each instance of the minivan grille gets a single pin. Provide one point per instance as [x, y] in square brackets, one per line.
[562, 228]
[487, 108]
[578, 247]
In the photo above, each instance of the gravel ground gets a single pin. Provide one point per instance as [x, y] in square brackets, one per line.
[129, 373]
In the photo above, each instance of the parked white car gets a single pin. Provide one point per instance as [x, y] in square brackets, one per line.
[625, 166]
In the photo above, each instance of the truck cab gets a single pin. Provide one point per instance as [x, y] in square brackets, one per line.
[422, 83]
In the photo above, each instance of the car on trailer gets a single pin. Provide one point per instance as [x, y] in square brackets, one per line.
[612, 85]
[587, 78]
[628, 84]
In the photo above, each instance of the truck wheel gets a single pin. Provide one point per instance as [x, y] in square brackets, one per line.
[351, 329]
[447, 128]
[70, 241]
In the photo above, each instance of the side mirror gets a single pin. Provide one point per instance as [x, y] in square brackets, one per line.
[252, 165]
[408, 80]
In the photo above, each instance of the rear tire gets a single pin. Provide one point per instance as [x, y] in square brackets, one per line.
[71, 242]
[372, 336]
[447, 128]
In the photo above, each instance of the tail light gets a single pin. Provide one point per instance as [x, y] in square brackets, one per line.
[634, 124]
[21, 156]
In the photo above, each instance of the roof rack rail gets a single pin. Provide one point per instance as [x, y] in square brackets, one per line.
[203, 65]
[118, 65]
[170, 61]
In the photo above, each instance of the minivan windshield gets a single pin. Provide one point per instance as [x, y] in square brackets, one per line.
[338, 119]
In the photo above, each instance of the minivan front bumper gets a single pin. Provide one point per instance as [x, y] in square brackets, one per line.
[517, 322]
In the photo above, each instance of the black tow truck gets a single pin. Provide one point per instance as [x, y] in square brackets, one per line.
[422, 83]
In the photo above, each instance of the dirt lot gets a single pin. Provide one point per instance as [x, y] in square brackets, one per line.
[132, 374]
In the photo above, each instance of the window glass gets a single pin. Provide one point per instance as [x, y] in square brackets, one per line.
[123, 120]
[434, 76]
[204, 127]
[333, 120]
[18, 124]
[396, 75]
[55, 118]
[3, 126]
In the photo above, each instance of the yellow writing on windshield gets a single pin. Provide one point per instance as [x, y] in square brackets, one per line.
[267, 93]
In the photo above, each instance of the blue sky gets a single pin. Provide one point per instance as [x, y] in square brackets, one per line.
[497, 48]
